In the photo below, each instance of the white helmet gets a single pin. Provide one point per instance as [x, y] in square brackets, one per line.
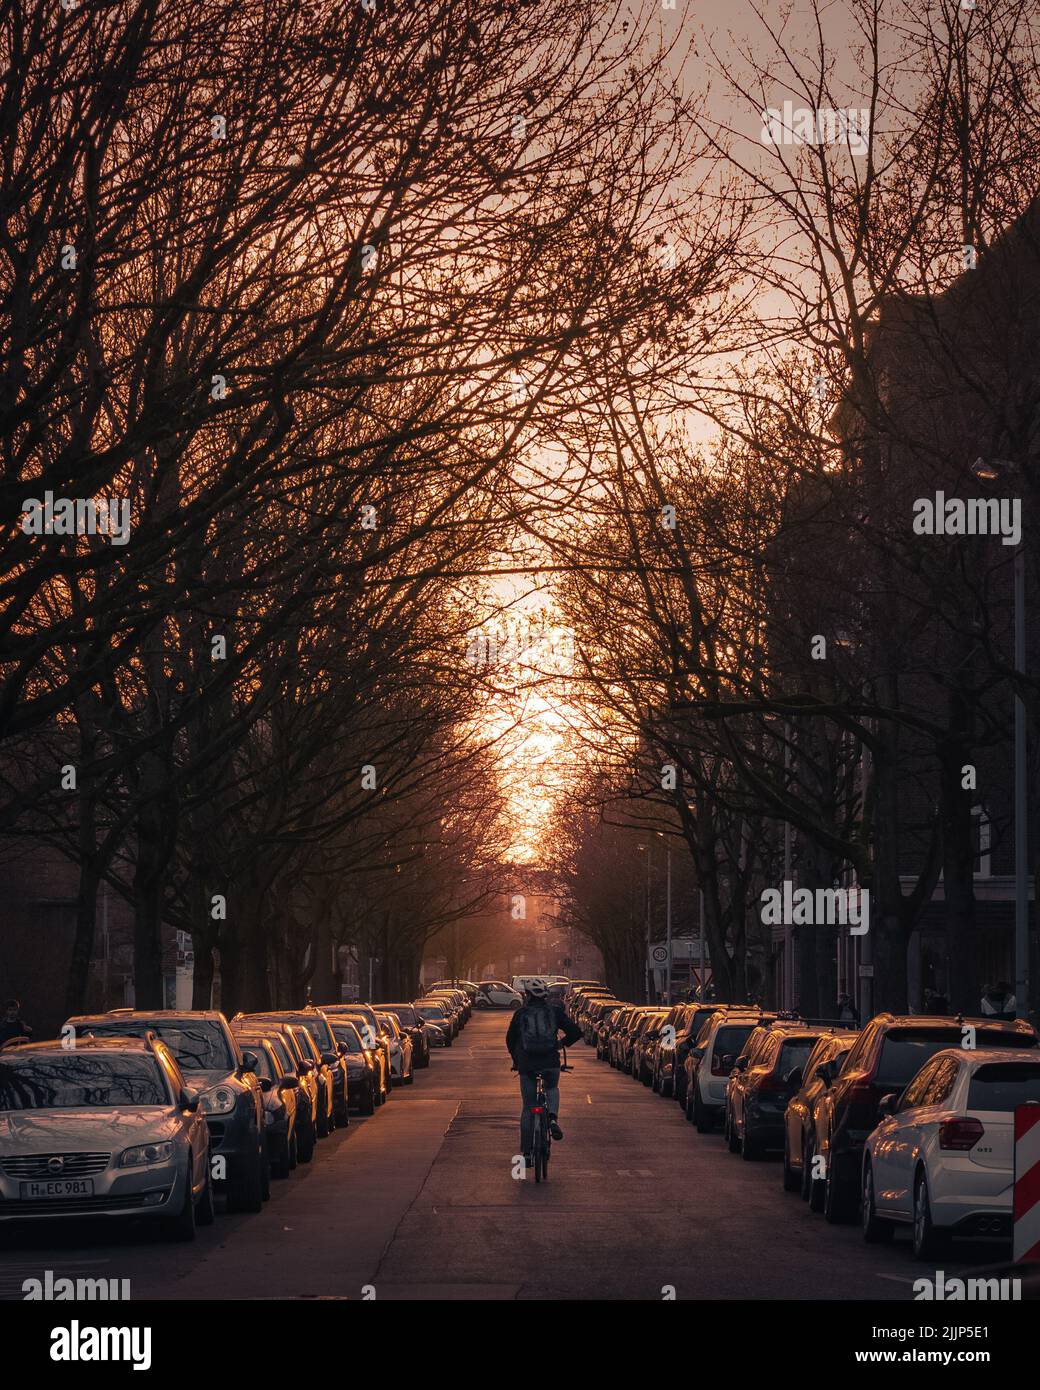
[537, 989]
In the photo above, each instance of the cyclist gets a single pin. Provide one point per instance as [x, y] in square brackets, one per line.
[534, 1047]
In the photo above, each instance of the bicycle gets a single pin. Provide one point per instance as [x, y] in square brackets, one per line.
[541, 1145]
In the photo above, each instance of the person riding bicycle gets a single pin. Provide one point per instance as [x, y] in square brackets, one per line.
[534, 1047]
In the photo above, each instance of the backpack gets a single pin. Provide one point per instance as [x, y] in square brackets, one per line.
[537, 1029]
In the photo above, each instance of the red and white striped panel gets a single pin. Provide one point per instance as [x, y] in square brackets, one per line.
[1027, 1183]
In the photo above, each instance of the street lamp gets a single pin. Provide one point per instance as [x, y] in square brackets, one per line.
[990, 471]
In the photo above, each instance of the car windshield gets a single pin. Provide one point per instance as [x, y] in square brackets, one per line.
[430, 1010]
[1004, 1085]
[795, 1053]
[905, 1050]
[197, 1044]
[348, 1035]
[406, 1015]
[79, 1080]
[732, 1039]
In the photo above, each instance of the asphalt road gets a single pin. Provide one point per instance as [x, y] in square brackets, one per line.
[419, 1201]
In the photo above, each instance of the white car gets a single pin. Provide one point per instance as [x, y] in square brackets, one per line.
[495, 994]
[401, 1070]
[941, 1159]
[107, 1129]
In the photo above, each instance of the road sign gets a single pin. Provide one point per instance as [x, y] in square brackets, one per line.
[659, 954]
[1027, 1183]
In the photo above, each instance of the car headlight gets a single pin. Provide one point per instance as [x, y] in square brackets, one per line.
[143, 1154]
[218, 1101]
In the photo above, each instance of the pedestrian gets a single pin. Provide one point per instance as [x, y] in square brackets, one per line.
[845, 1010]
[998, 1001]
[13, 1025]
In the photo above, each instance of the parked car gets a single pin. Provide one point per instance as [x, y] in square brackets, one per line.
[301, 1064]
[799, 1122]
[467, 987]
[279, 1086]
[591, 1014]
[362, 1066]
[401, 1069]
[108, 1129]
[208, 1054]
[322, 1047]
[687, 1037]
[941, 1158]
[374, 1037]
[458, 998]
[710, 1061]
[454, 1016]
[620, 1040]
[644, 1041]
[415, 1026]
[572, 991]
[438, 1020]
[628, 1036]
[602, 1031]
[886, 1056]
[495, 994]
[762, 1083]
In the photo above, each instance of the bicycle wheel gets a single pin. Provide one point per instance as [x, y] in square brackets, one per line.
[541, 1151]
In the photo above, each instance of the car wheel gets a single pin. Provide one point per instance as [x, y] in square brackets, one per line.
[875, 1231]
[729, 1133]
[817, 1188]
[265, 1177]
[702, 1117]
[294, 1150]
[368, 1100]
[205, 1212]
[750, 1149]
[792, 1180]
[927, 1241]
[410, 1078]
[305, 1145]
[282, 1165]
[246, 1192]
[807, 1156]
[182, 1226]
[324, 1128]
[835, 1198]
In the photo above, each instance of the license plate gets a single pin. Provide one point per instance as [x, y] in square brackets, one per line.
[57, 1187]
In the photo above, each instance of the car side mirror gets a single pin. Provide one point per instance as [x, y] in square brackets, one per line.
[329, 1057]
[250, 1061]
[306, 1065]
[265, 1084]
[793, 1080]
[189, 1100]
[887, 1106]
[697, 1052]
[728, 1061]
[289, 1082]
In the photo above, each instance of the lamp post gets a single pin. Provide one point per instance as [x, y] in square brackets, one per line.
[646, 848]
[989, 471]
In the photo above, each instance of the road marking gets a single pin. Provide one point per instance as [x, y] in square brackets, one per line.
[588, 1098]
[644, 1172]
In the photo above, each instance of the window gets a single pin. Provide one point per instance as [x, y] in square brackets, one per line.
[942, 1082]
[914, 1093]
[79, 1080]
[1004, 1085]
